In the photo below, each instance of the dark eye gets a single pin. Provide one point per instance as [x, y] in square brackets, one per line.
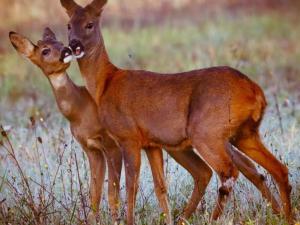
[89, 26]
[45, 51]
[69, 27]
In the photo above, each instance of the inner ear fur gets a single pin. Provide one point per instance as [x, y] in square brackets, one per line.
[49, 34]
[70, 6]
[22, 44]
[96, 6]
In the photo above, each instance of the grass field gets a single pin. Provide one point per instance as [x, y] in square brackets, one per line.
[43, 172]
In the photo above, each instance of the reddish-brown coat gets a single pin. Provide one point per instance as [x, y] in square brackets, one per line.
[208, 109]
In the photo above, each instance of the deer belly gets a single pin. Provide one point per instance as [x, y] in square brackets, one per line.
[165, 129]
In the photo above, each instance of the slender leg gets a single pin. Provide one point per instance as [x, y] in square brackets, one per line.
[214, 152]
[155, 157]
[97, 168]
[201, 174]
[250, 143]
[132, 160]
[114, 162]
[248, 169]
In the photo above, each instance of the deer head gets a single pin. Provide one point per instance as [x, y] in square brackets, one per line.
[48, 54]
[83, 27]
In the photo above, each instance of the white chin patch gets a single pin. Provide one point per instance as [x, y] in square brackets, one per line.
[68, 59]
[80, 55]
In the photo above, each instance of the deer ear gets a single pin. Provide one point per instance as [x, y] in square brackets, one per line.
[70, 6]
[96, 6]
[22, 44]
[48, 34]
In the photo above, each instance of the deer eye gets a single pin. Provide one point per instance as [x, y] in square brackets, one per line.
[69, 27]
[45, 51]
[89, 26]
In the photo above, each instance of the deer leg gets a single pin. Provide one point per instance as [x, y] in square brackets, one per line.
[250, 143]
[248, 169]
[97, 168]
[201, 174]
[132, 160]
[155, 157]
[114, 162]
[214, 152]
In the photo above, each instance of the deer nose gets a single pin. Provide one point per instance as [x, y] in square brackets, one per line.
[77, 48]
[66, 55]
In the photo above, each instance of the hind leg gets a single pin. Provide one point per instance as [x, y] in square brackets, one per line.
[250, 143]
[201, 174]
[214, 151]
[248, 169]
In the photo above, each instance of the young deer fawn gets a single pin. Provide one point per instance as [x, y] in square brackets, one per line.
[211, 110]
[79, 109]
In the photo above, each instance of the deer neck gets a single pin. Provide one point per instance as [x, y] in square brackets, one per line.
[96, 69]
[66, 94]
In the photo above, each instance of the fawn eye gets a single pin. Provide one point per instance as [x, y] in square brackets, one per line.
[45, 51]
[89, 26]
[69, 27]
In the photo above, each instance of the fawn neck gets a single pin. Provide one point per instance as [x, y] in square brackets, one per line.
[66, 94]
[96, 68]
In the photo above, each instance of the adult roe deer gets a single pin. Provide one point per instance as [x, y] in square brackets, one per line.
[211, 110]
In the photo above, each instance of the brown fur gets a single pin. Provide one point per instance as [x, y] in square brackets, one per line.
[206, 109]
[78, 107]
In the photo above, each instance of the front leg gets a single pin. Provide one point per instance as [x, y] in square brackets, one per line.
[97, 167]
[132, 160]
[114, 162]
[155, 157]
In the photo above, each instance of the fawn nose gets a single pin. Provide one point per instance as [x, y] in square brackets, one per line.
[77, 48]
[66, 55]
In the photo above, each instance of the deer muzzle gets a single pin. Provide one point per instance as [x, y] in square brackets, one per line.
[77, 48]
[66, 55]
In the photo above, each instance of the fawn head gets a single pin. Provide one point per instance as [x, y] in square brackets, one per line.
[83, 27]
[48, 54]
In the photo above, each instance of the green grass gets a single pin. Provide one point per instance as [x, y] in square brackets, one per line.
[266, 47]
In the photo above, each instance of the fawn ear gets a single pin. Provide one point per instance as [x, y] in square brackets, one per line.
[96, 6]
[48, 34]
[70, 6]
[22, 44]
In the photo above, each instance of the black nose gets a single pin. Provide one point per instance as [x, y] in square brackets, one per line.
[66, 52]
[76, 47]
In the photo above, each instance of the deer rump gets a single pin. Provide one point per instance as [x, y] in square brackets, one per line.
[163, 109]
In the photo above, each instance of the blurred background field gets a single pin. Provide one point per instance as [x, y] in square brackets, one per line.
[259, 37]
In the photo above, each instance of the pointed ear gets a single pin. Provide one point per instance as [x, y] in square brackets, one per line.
[22, 44]
[70, 6]
[48, 34]
[96, 6]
